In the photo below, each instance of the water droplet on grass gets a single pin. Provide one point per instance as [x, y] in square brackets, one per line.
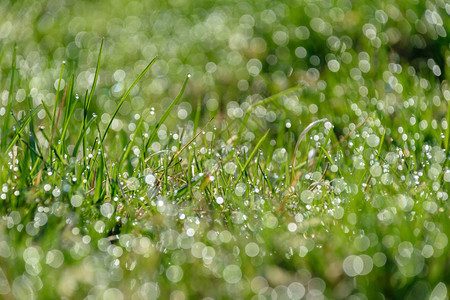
[338, 212]
[447, 176]
[307, 196]
[375, 170]
[334, 65]
[219, 200]
[391, 158]
[99, 226]
[270, 221]
[150, 179]
[386, 179]
[76, 200]
[334, 168]
[373, 140]
[240, 189]
[107, 210]
[230, 168]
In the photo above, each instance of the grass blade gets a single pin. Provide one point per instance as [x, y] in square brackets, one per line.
[99, 179]
[167, 112]
[264, 102]
[124, 97]
[128, 148]
[55, 106]
[97, 69]
[185, 146]
[22, 127]
[249, 159]
[447, 132]
[70, 108]
[81, 137]
[9, 106]
[301, 136]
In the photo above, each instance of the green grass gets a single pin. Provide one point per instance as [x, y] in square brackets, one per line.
[136, 169]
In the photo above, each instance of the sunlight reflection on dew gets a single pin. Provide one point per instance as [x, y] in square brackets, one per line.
[373, 140]
[76, 200]
[107, 210]
[307, 196]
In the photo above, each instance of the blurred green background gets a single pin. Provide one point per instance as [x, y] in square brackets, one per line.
[235, 50]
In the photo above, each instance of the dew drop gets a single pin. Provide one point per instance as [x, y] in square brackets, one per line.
[307, 196]
[373, 140]
[334, 65]
[107, 210]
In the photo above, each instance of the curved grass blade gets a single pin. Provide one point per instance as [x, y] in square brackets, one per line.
[264, 102]
[124, 97]
[302, 135]
[185, 146]
[128, 148]
[22, 127]
[167, 112]
[82, 135]
[249, 159]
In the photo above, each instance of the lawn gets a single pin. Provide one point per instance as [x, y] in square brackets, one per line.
[224, 149]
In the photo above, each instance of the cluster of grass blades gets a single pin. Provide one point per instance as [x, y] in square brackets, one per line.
[321, 211]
